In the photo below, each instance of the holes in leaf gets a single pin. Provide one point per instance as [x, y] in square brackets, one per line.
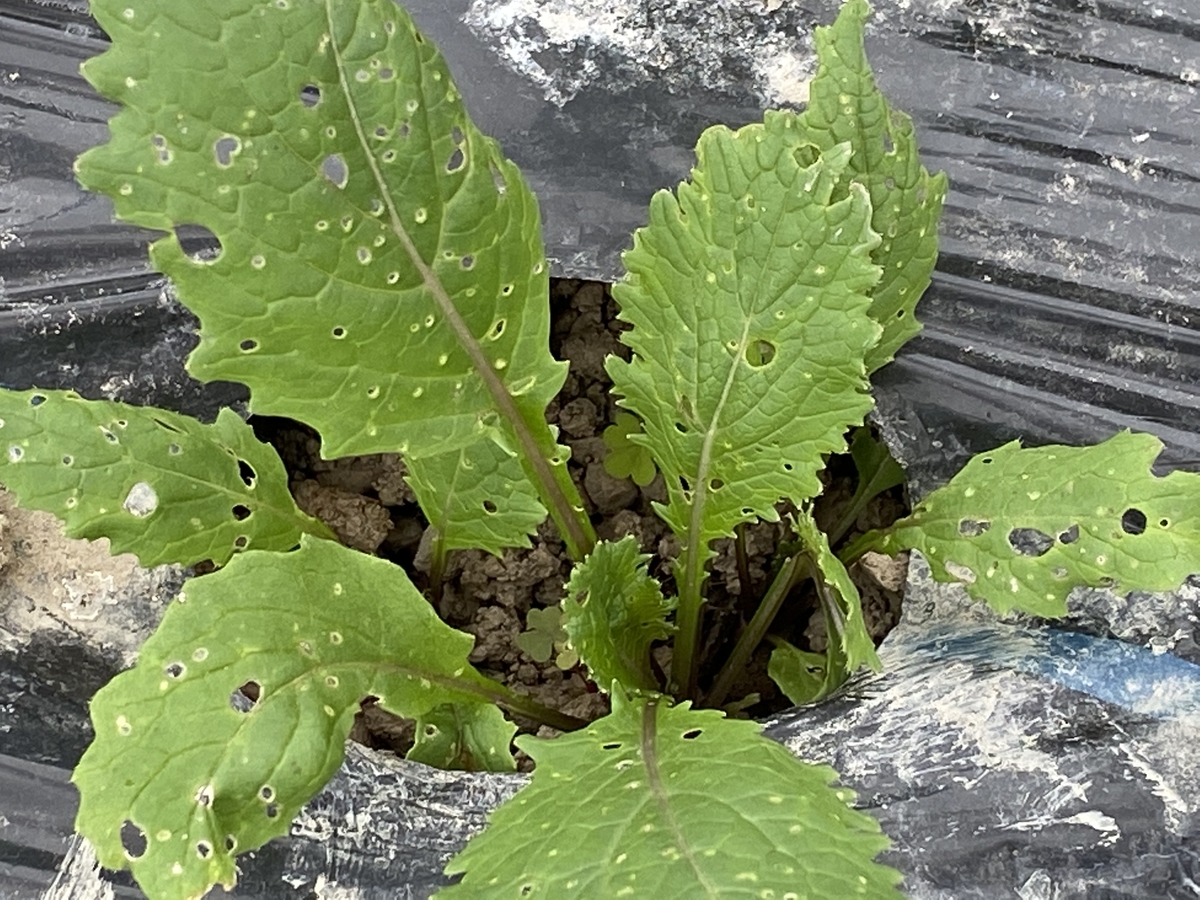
[489, 507]
[987, 461]
[175, 670]
[241, 541]
[204, 796]
[457, 158]
[241, 513]
[225, 149]
[806, 155]
[1164, 523]
[1070, 536]
[679, 426]
[404, 130]
[203, 849]
[456, 135]
[246, 473]
[526, 890]
[108, 435]
[611, 745]
[335, 170]
[37, 399]
[973, 527]
[267, 793]
[498, 180]
[133, 839]
[141, 500]
[230, 843]
[432, 731]
[497, 329]
[166, 426]
[1133, 521]
[381, 132]
[386, 74]
[693, 734]
[716, 484]
[1030, 541]
[245, 698]
[467, 262]
[338, 333]
[272, 811]
[760, 353]
[310, 95]
[174, 449]
[68, 460]
[248, 346]
[198, 243]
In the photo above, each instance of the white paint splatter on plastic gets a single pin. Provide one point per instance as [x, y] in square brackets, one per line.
[564, 46]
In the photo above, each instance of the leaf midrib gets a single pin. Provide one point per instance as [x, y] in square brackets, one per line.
[504, 401]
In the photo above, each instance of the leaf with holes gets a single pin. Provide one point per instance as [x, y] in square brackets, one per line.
[747, 297]
[155, 483]
[613, 612]
[476, 497]
[803, 676]
[670, 802]
[381, 274]
[472, 737]
[1022, 527]
[906, 201]
[849, 640]
[238, 708]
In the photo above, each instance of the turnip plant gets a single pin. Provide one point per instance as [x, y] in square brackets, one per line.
[381, 277]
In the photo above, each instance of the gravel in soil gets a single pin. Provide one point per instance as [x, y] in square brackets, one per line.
[369, 505]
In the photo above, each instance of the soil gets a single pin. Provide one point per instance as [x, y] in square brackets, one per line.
[367, 502]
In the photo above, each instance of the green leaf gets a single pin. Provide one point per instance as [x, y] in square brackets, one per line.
[626, 459]
[476, 497]
[840, 602]
[544, 631]
[669, 802]
[1022, 527]
[185, 753]
[845, 105]
[803, 676]
[747, 297]
[381, 274]
[613, 612]
[155, 483]
[877, 470]
[472, 737]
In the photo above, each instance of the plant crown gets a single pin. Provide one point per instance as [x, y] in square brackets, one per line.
[381, 277]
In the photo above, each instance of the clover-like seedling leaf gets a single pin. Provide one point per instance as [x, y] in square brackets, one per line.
[477, 497]
[156, 483]
[906, 201]
[840, 602]
[747, 294]
[1022, 527]
[675, 804]
[381, 274]
[543, 633]
[471, 737]
[626, 459]
[240, 703]
[613, 612]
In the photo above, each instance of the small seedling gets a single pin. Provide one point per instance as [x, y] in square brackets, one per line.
[381, 277]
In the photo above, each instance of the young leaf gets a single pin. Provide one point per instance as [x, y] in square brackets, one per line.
[906, 201]
[476, 497]
[155, 483]
[545, 635]
[1022, 527]
[613, 612]
[626, 459]
[670, 802]
[803, 676]
[877, 470]
[847, 630]
[473, 737]
[381, 273]
[237, 710]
